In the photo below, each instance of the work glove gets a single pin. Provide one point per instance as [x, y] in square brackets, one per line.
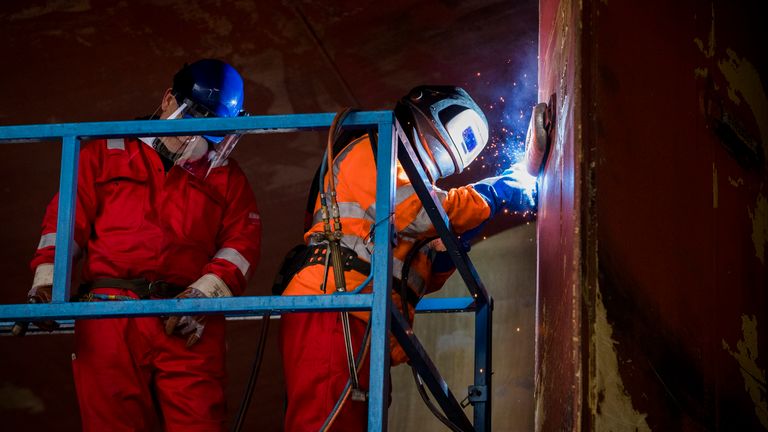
[191, 327]
[41, 292]
[514, 190]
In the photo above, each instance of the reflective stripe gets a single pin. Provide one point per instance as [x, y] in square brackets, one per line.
[358, 245]
[402, 193]
[235, 258]
[422, 223]
[47, 240]
[415, 280]
[346, 210]
[354, 210]
[116, 144]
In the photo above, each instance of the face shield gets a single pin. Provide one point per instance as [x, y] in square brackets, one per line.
[198, 154]
[447, 128]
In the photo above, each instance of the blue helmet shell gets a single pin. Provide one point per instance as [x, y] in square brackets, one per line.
[213, 84]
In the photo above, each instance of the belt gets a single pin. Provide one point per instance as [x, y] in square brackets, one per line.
[316, 256]
[141, 287]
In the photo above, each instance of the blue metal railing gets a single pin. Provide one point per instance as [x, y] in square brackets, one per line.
[391, 142]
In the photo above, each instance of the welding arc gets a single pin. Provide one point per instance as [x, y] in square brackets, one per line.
[256, 366]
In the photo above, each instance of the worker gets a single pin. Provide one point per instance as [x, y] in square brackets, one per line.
[158, 218]
[447, 131]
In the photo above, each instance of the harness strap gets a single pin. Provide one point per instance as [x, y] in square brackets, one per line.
[316, 256]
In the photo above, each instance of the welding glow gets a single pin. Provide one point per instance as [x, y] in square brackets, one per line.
[527, 181]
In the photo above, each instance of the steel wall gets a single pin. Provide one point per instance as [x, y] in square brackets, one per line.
[558, 373]
[661, 312]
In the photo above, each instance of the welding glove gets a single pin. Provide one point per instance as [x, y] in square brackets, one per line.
[507, 192]
[42, 292]
[191, 327]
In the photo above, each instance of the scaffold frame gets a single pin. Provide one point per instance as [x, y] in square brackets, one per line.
[392, 146]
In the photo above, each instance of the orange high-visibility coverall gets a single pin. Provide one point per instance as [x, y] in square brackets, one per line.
[314, 358]
[134, 220]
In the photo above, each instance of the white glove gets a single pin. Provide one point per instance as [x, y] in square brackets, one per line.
[191, 327]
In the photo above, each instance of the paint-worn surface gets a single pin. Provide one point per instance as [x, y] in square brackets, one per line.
[558, 375]
[88, 60]
[673, 177]
[678, 125]
[668, 249]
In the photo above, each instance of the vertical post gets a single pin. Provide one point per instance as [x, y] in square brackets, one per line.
[480, 394]
[382, 278]
[65, 224]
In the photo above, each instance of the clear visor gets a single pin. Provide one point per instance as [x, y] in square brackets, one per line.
[198, 154]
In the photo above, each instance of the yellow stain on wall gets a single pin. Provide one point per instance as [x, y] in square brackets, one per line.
[709, 52]
[616, 412]
[744, 81]
[14, 398]
[754, 377]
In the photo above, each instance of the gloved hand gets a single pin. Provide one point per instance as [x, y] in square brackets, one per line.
[42, 292]
[191, 327]
[513, 190]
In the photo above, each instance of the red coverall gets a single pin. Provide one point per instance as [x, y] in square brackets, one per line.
[134, 220]
[314, 358]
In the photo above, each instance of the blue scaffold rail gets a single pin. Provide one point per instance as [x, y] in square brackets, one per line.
[392, 145]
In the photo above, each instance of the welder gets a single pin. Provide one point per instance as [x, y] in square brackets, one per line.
[158, 217]
[447, 130]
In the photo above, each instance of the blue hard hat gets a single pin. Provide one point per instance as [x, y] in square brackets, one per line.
[212, 84]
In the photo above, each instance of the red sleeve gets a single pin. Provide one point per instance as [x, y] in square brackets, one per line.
[85, 210]
[239, 239]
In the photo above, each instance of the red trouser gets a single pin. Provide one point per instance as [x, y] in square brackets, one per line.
[316, 372]
[125, 367]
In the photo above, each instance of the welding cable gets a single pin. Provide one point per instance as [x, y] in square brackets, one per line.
[432, 408]
[255, 367]
[348, 387]
[406, 270]
[333, 234]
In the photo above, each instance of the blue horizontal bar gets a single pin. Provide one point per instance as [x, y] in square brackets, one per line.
[435, 305]
[225, 305]
[445, 305]
[251, 124]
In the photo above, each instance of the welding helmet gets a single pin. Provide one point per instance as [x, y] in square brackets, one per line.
[445, 127]
[205, 88]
